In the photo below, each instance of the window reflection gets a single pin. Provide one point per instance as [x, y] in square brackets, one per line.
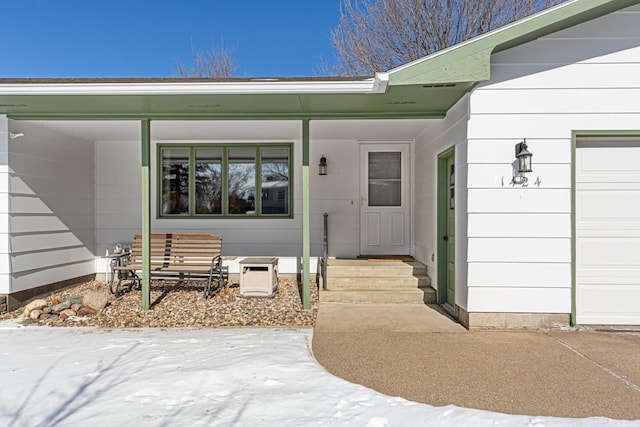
[275, 181]
[242, 181]
[175, 181]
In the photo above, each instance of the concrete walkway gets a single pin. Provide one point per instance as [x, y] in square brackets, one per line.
[417, 353]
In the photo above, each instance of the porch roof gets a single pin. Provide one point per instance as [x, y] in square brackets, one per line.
[425, 88]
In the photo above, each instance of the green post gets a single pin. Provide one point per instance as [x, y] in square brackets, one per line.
[306, 241]
[146, 213]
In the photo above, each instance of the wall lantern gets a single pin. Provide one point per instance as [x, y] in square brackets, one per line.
[322, 167]
[523, 157]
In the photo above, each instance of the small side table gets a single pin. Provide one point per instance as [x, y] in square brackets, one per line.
[258, 277]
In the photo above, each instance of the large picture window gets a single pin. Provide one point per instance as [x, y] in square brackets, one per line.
[242, 180]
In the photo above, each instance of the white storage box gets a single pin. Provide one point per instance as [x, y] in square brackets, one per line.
[258, 277]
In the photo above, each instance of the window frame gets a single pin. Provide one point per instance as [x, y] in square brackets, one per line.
[225, 147]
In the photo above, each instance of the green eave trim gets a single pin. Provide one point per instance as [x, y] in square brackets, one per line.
[471, 61]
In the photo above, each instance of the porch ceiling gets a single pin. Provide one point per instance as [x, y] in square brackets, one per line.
[220, 130]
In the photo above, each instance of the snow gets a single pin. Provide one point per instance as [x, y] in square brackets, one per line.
[197, 377]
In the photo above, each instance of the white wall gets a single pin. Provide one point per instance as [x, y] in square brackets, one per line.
[5, 267]
[582, 78]
[51, 188]
[440, 136]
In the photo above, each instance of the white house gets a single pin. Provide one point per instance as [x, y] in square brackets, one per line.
[421, 162]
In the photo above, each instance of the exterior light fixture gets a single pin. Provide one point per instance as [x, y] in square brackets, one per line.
[322, 167]
[523, 157]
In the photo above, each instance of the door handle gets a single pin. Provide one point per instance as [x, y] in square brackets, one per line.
[445, 238]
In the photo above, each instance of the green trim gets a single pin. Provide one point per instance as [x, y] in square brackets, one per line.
[192, 147]
[471, 61]
[575, 134]
[441, 210]
[306, 239]
[146, 212]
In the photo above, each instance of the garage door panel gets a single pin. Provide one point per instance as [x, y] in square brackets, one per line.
[619, 205]
[608, 231]
[607, 303]
[602, 159]
[608, 252]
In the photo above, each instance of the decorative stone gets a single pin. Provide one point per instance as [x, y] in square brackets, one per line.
[44, 316]
[66, 313]
[76, 299]
[75, 306]
[34, 305]
[62, 306]
[96, 300]
[35, 314]
[55, 300]
[85, 311]
[46, 310]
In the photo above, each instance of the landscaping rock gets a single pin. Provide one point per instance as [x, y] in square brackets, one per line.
[75, 306]
[76, 299]
[35, 314]
[44, 316]
[33, 305]
[58, 308]
[64, 314]
[96, 300]
[46, 310]
[85, 311]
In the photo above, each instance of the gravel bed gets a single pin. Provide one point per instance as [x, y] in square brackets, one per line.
[176, 305]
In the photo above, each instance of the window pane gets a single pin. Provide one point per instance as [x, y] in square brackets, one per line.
[385, 178]
[175, 181]
[384, 193]
[275, 181]
[385, 165]
[242, 181]
[208, 181]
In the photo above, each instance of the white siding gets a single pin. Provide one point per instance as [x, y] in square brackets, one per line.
[582, 78]
[5, 273]
[441, 135]
[52, 207]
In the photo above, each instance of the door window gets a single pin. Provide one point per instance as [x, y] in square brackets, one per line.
[385, 178]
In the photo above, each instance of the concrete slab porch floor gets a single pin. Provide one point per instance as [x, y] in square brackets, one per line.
[419, 354]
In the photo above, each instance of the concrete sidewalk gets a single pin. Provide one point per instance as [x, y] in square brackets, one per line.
[419, 354]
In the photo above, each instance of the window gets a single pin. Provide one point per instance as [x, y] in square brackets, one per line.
[207, 180]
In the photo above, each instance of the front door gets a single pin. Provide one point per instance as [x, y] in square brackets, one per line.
[385, 204]
[446, 228]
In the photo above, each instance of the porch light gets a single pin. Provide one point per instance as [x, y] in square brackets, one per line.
[322, 167]
[523, 157]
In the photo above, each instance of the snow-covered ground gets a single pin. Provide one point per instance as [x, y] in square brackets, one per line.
[212, 377]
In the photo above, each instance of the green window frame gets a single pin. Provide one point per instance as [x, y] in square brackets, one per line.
[207, 180]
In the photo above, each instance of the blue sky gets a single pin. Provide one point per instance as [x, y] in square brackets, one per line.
[145, 38]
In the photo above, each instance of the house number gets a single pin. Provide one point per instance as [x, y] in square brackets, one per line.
[523, 181]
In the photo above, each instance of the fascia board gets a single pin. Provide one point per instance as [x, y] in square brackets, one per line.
[217, 88]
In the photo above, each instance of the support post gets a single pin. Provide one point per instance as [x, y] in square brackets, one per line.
[306, 241]
[146, 213]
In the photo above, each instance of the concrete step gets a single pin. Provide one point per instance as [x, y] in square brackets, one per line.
[381, 269]
[380, 296]
[377, 282]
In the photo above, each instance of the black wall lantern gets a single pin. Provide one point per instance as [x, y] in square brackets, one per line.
[322, 167]
[523, 157]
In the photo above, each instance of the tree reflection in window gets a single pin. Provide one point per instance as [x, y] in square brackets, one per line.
[242, 181]
[208, 179]
[275, 181]
[175, 181]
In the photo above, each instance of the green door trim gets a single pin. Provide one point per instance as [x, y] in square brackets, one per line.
[441, 209]
[575, 134]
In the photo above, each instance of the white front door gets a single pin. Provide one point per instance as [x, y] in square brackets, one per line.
[385, 204]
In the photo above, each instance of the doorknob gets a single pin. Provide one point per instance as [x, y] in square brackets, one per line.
[446, 238]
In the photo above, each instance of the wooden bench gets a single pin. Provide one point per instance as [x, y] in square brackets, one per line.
[173, 257]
